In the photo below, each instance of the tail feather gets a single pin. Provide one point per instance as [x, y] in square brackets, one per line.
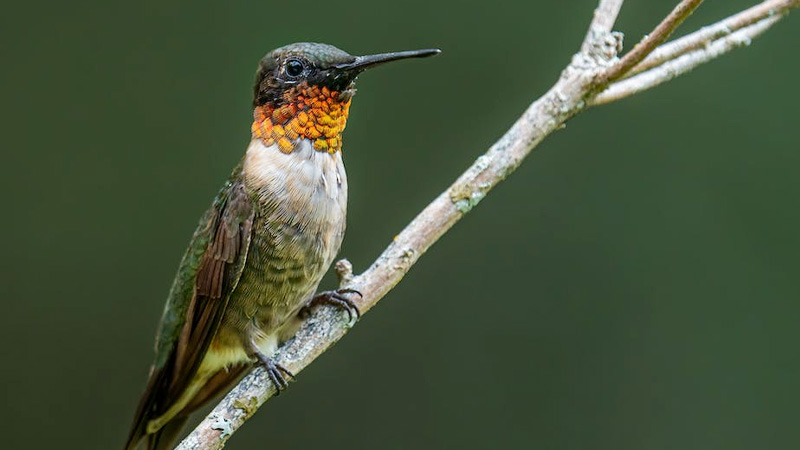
[163, 439]
[166, 437]
[139, 429]
[135, 436]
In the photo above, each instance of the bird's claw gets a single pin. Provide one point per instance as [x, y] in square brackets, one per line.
[276, 372]
[338, 298]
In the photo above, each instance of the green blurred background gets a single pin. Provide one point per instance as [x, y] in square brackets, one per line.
[633, 286]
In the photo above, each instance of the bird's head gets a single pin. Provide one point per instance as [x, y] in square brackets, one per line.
[303, 91]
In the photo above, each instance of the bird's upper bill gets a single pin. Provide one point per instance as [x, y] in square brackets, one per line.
[303, 91]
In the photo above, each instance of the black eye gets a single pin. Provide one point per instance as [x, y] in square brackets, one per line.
[294, 67]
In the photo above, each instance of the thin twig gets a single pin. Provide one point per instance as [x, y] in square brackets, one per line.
[649, 42]
[605, 15]
[683, 64]
[705, 35]
[326, 325]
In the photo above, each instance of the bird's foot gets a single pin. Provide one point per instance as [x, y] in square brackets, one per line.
[337, 298]
[276, 373]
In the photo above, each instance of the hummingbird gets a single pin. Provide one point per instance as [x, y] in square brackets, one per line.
[259, 252]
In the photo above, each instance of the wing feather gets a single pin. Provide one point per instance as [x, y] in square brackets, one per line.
[208, 274]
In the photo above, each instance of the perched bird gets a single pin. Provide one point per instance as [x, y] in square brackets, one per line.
[260, 251]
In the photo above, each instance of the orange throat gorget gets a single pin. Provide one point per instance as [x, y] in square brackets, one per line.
[308, 112]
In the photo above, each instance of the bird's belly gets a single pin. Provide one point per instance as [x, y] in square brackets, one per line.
[299, 224]
[283, 269]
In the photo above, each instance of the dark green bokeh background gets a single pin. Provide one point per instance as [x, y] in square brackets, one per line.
[634, 285]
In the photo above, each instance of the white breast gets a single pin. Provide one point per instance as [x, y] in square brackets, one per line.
[308, 184]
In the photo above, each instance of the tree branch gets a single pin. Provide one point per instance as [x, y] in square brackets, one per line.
[684, 54]
[682, 64]
[589, 72]
[708, 34]
[652, 40]
[605, 15]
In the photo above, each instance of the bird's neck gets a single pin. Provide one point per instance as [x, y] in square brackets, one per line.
[306, 112]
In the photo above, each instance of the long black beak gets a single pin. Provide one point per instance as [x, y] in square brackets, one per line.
[365, 62]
